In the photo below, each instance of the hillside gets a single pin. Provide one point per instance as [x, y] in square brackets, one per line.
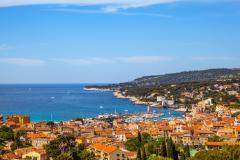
[190, 76]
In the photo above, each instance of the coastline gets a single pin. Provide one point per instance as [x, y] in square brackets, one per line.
[97, 89]
[135, 100]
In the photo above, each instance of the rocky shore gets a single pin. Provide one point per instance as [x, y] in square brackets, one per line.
[97, 89]
[135, 100]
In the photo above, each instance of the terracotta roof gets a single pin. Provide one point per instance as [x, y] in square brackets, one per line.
[238, 128]
[10, 123]
[38, 135]
[104, 148]
[221, 143]
[9, 156]
[129, 135]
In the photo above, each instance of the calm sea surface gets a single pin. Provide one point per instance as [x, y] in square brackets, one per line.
[63, 102]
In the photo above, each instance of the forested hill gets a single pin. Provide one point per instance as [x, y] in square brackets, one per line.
[190, 76]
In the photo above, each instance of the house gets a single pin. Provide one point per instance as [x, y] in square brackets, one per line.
[38, 154]
[22, 120]
[9, 156]
[108, 152]
[225, 132]
[233, 93]
[163, 101]
[187, 139]
[39, 139]
[40, 142]
[237, 131]
[65, 130]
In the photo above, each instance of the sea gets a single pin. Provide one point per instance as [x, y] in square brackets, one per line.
[63, 102]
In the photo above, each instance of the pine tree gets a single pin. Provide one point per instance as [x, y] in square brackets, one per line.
[174, 152]
[187, 151]
[169, 148]
[163, 151]
[139, 138]
[182, 156]
[139, 156]
[144, 156]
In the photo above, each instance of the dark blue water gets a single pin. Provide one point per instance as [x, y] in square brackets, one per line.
[63, 102]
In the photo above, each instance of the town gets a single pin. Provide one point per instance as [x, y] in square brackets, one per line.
[211, 121]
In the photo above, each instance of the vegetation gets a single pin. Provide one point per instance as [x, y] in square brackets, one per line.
[6, 133]
[161, 149]
[227, 153]
[156, 157]
[215, 138]
[19, 140]
[203, 75]
[65, 147]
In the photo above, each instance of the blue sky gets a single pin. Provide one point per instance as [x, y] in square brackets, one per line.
[85, 41]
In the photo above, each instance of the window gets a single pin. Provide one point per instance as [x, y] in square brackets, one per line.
[118, 155]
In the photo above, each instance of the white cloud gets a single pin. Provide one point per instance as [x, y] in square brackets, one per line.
[110, 3]
[108, 12]
[21, 61]
[107, 5]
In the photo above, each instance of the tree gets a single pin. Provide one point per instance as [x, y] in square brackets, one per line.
[144, 156]
[151, 147]
[87, 155]
[6, 133]
[139, 156]
[175, 152]
[187, 151]
[138, 142]
[17, 142]
[215, 138]
[66, 146]
[212, 155]
[155, 157]
[2, 144]
[64, 156]
[51, 124]
[169, 148]
[163, 152]
[182, 156]
[139, 138]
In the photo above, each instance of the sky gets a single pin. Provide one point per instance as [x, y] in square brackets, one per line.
[111, 41]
